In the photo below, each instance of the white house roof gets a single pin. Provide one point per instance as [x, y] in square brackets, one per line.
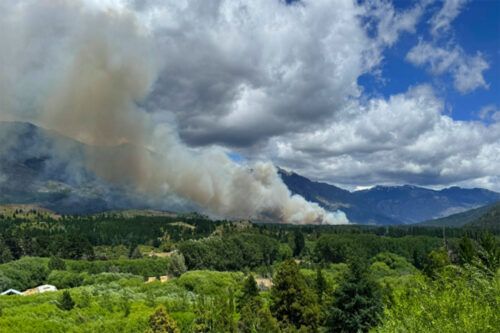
[46, 287]
[11, 291]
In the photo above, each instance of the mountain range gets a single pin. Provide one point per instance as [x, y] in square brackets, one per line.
[390, 204]
[43, 167]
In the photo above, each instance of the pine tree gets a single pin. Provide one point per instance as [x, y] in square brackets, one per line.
[292, 301]
[357, 304]
[135, 253]
[254, 316]
[299, 243]
[161, 322]
[489, 252]
[249, 291]
[320, 285]
[66, 301]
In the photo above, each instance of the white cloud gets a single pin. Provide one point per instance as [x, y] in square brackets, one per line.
[466, 70]
[490, 112]
[390, 23]
[441, 20]
[405, 139]
[239, 72]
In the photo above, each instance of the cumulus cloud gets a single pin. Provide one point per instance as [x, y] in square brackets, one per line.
[404, 139]
[466, 70]
[389, 23]
[441, 21]
[82, 67]
[490, 112]
[239, 72]
[445, 56]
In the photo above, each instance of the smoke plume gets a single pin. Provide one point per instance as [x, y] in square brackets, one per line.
[82, 69]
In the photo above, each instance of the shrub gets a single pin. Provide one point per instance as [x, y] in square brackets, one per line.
[161, 322]
[66, 302]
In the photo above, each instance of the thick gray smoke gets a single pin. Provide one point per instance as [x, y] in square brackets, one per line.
[82, 68]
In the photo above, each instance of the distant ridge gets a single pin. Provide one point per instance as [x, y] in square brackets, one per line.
[34, 171]
[406, 204]
[486, 217]
[460, 219]
[489, 220]
[130, 213]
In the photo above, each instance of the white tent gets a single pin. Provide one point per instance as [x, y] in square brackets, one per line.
[11, 292]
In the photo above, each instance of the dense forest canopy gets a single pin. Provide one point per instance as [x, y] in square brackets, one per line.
[187, 273]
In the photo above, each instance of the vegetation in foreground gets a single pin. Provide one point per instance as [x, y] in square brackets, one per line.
[190, 274]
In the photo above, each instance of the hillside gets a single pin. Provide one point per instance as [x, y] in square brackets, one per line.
[332, 197]
[390, 204]
[41, 167]
[457, 220]
[489, 220]
[26, 211]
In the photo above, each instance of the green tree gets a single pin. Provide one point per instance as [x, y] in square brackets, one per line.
[489, 252]
[357, 304]
[321, 285]
[56, 263]
[298, 242]
[177, 265]
[5, 253]
[249, 290]
[135, 253]
[285, 252]
[225, 311]
[436, 260]
[203, 319]
[124, 304]
[256, 318]
[161, 322]
[292, 301]
[150, 298]
[466, 250]
[215, 314]
[66, 302]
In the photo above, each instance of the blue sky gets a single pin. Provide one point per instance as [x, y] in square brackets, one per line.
[475, 29]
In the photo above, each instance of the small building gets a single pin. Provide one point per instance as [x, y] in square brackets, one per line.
[40, 289]
[11, 292]
[151, 279]
[264, 283]
[162, 254]
[45, 288]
